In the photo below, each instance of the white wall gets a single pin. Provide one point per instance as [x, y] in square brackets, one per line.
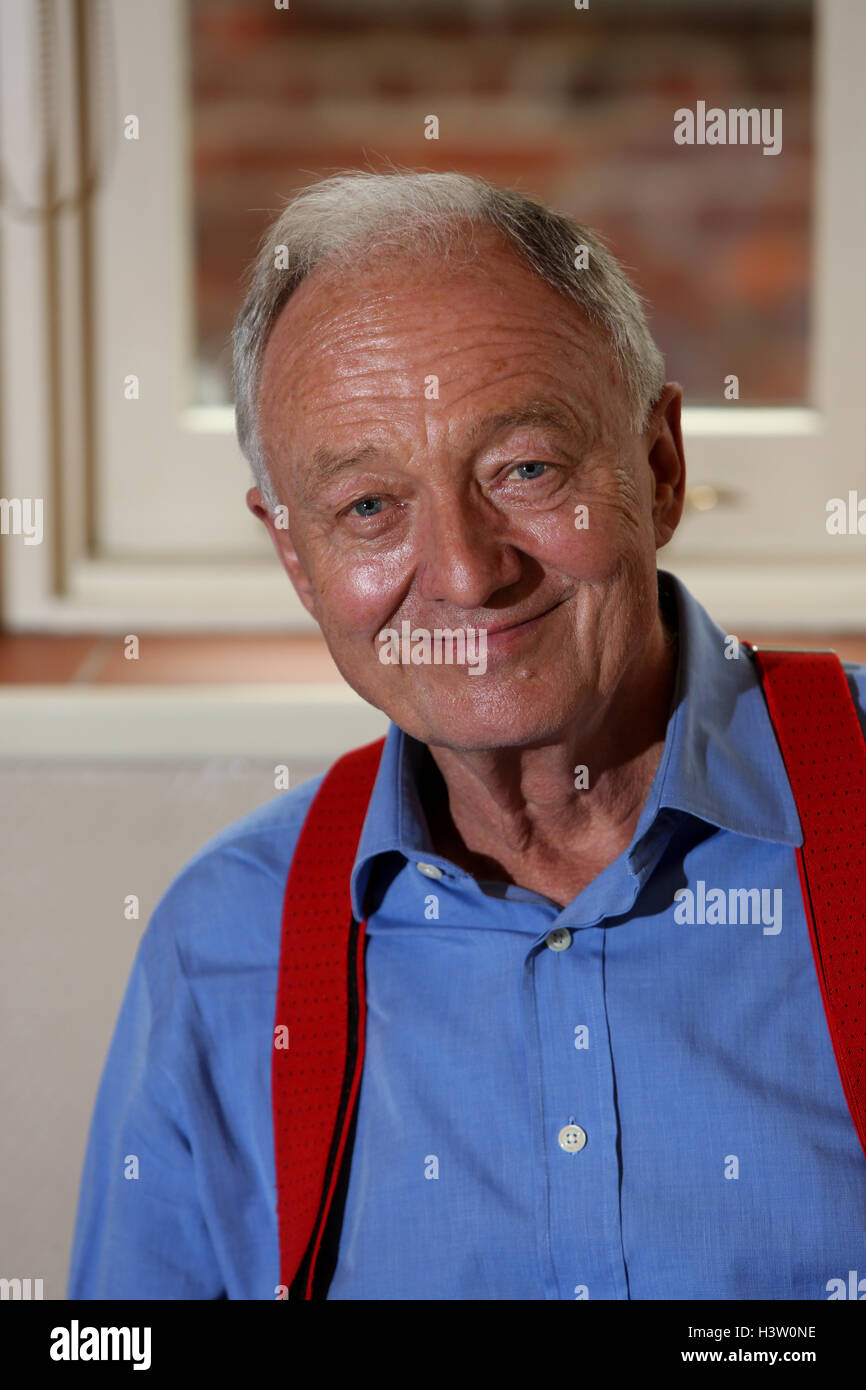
[75, 839]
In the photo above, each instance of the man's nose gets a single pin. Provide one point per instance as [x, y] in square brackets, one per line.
[464, 555]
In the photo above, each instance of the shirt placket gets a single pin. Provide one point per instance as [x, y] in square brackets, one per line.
[574, 1116]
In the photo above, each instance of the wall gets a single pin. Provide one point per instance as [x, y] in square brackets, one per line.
[76, 840]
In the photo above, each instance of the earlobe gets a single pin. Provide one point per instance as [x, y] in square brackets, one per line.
[255, 503]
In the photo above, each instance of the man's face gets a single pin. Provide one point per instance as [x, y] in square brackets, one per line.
[452, 442]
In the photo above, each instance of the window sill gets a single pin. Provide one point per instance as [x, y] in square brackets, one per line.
[283, 723]
[280, 698]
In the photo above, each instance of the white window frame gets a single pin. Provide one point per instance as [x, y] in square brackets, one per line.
[773, 565]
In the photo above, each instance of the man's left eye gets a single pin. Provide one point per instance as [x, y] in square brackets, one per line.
[370, 506]
[528, 471]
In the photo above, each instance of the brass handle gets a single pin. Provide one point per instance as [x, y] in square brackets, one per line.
[705, 497]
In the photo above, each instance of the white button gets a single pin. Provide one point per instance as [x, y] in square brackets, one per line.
[429, 870]
[572, 1138]
[559, 939]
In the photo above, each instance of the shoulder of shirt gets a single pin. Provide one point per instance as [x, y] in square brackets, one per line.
[223, 910]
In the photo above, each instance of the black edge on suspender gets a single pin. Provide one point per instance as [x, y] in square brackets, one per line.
[813, 929]
[326, 1262]
[330, 1246]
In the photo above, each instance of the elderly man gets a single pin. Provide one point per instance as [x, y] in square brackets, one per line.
[579, 1080]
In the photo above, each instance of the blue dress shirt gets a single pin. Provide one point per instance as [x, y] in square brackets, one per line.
[608, 1101]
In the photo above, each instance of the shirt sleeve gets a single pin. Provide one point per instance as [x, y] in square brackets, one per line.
[140, 1230]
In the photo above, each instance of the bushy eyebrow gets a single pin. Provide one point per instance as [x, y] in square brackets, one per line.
[326, 464]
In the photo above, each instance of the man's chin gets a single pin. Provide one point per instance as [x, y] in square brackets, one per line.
[454, 708]
[490, 720]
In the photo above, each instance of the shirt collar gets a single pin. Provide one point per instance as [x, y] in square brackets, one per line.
[720, 762]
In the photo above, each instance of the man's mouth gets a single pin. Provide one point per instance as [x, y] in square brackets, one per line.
[509, 631]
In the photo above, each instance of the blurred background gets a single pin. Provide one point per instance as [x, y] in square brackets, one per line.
[143, 150]
[574, 108]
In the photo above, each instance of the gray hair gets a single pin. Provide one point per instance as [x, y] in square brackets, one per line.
[332, 219]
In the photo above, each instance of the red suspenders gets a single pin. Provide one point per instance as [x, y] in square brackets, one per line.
[823, 748]
[320, 994]
[320, 1000]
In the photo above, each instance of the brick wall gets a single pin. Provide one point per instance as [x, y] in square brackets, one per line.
[573, 107]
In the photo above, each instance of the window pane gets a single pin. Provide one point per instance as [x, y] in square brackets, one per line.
[575, 107]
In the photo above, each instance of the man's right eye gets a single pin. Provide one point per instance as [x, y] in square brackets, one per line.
[368, 506]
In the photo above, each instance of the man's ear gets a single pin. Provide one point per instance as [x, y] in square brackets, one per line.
[663, 439]
[278, 530]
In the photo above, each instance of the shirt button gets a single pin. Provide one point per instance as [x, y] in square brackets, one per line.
[572, 1138]
[429, 870]
[559, 939]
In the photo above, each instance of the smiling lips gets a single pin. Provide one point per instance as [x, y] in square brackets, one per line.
[514, 629]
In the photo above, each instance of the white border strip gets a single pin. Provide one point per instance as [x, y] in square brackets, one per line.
[282, 722]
